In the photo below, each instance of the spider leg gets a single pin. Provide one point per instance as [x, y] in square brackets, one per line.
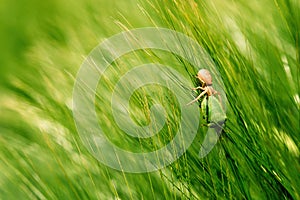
[199, 87]
[198, 97]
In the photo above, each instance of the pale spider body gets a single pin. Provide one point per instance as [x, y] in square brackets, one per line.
[205, 78]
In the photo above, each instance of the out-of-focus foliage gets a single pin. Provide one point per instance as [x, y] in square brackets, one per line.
[255, 46]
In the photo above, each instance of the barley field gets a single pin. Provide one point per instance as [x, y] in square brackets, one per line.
[254, 46]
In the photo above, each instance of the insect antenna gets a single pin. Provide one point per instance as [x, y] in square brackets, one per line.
[207, 110]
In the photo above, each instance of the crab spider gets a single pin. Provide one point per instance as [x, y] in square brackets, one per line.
[205, 78]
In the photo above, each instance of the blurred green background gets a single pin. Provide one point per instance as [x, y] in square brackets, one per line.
[255, 46]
